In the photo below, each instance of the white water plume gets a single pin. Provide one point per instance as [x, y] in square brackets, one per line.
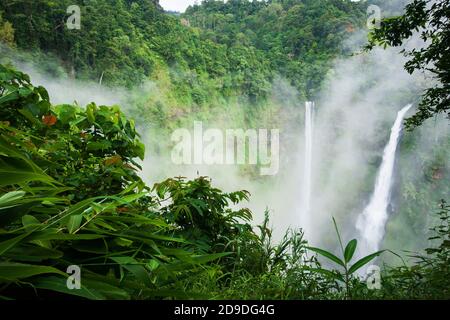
[371, 223]
[307, 171]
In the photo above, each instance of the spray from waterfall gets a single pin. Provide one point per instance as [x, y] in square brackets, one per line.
[371, 223]
[307, 171]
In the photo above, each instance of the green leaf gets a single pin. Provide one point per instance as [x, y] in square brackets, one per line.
[11, 215]
[99, 145]
[123, 242]
[90, 112]
[136, 268]
[29, 115]
[350, 250]
[59, 284]
[14, 271]
[152, 265]
[74, 223]
[29, 222]
[8, 244]
[9, 97]
[52, 235]
[43, 92]
[139, 149]
[16, 171]
[32, 253]
[24, 91]
[66, 113]
[360, 263]
[7, 200]
[328, 255]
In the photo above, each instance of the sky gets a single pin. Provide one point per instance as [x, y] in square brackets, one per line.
[176, 5]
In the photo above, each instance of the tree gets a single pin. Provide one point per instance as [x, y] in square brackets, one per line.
[431, 20]
[6, 32]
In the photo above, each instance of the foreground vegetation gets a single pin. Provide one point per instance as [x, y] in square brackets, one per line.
[70, 194]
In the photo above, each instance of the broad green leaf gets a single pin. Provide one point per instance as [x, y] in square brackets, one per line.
[74, 223]
[131, 198]
[32, 253]
[166, 238]
[59, 284]
[350, 250]
[140, 150]
[9, 97]
[10, 215]
[123, 242]
[29, 115]
[8, 244]
[90, 112]
[137, 220]
[136, 268]
[100, 145]
[65, 113]
[43, 92]
[360, 263]
[153, 264]
[16, 171]
[51, 235]
[328, 255]
[7, 200]
[78, 208]
[101, 223]
[24, 91]
[15, 271]
[29, 221]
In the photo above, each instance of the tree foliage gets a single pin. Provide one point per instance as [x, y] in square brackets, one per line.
[70, 195]
[239, 45]
[431, 20]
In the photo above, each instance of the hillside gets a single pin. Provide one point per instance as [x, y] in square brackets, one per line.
[242, 46]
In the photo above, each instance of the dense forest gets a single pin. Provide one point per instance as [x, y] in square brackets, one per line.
[72, 192]
[124, 42]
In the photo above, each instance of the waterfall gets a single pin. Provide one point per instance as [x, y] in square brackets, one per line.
[307, 170]
[371, 223]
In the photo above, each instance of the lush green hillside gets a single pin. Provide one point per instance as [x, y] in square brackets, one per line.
[243, 45]
[299, 39]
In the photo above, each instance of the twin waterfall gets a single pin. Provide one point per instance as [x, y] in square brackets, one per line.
[307, 171]
[371, 223]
